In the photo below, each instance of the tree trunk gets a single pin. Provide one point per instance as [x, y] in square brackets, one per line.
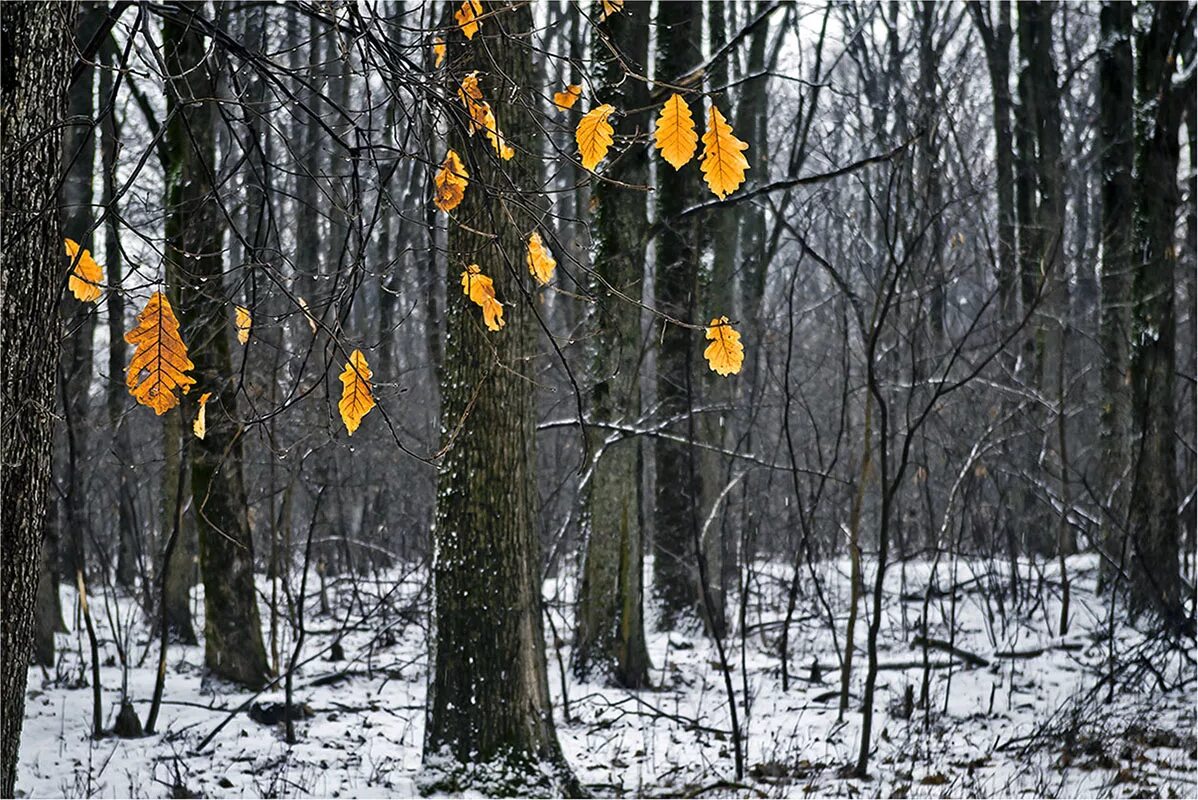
[1116, 145]
[490, 725]
[37, 58]
[611, 627]
[1152, 520]
[679, 484]
[233, 646]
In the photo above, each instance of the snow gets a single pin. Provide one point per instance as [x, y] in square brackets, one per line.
[1037, 725]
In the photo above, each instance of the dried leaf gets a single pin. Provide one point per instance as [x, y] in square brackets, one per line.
[612, 7]
[450, 182]
[200, 426]
[471, 95]
[491, 128]
[438, 51]
[594, 135]
[466, 17]
[566, 100]
[160, 352]
[540, 261]
[724, 163]
[356, 396]
[725, 354]
[85, 279]
[675, 135]
[243, 323]
[481, 291]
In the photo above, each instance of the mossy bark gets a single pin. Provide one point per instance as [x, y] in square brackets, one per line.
[611, 629]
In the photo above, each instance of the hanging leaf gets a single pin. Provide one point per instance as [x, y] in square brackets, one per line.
[491, 128]
[200, 426]
[307, 313]
[243, 323]
[438, 51]
[540, 260]
[466, 17]
[725, 354]
[675, 135]
[724, 162]
[481, 291]
[566, 100]
[160, 352]
[612, 7]
[594, 135]
[85, 279]
[471, 95]
[356, 397]
[450, 182]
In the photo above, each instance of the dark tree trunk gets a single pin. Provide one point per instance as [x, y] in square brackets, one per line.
[488, 701]
[1116, 146]
[679, 484]
[194, 231]
[611, 627]
[36, 62]
[1153, 522]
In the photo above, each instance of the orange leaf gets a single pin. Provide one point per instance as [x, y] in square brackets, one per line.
[243, 323]
[466, 17]
[450, 182]
[675, 135]
[724, 163]
[612, 7]
[725, 354]
[438, 51]
[566, 100]
[200, 426]
[540, 260]
[594, 135]
[481, 291]
[85, 279]
[491, 128]
[471, 95]
[356, 397]
[160, 352]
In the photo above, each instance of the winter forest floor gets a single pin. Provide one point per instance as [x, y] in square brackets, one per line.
[1032, 720]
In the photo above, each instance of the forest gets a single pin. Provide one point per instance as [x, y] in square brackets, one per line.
[683, 398]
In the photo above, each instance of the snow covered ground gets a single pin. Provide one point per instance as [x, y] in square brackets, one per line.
[1031, 721]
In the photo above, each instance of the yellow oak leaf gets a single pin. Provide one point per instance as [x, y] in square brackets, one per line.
[594, 135]
[725, 354]
[481, 291]
[243, 323]
[491, 128]
[540, 261]
[724, 162]
[159, 351]
[450, 182]
[612, 7]
[356, 397]
[85, 279]
[566, 100]
[438, 51]
[471, 95]
[466, 17]
[675, 134]
[200, 426]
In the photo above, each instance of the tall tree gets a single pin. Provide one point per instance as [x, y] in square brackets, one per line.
[488, 699]
[1152, 521]
[233, 646]
[679, 481]
[35, 43]
[611, 627]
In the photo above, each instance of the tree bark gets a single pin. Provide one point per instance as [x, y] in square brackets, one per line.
[233, 646]
[36, 62]
[489, 721]
[611, 627]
